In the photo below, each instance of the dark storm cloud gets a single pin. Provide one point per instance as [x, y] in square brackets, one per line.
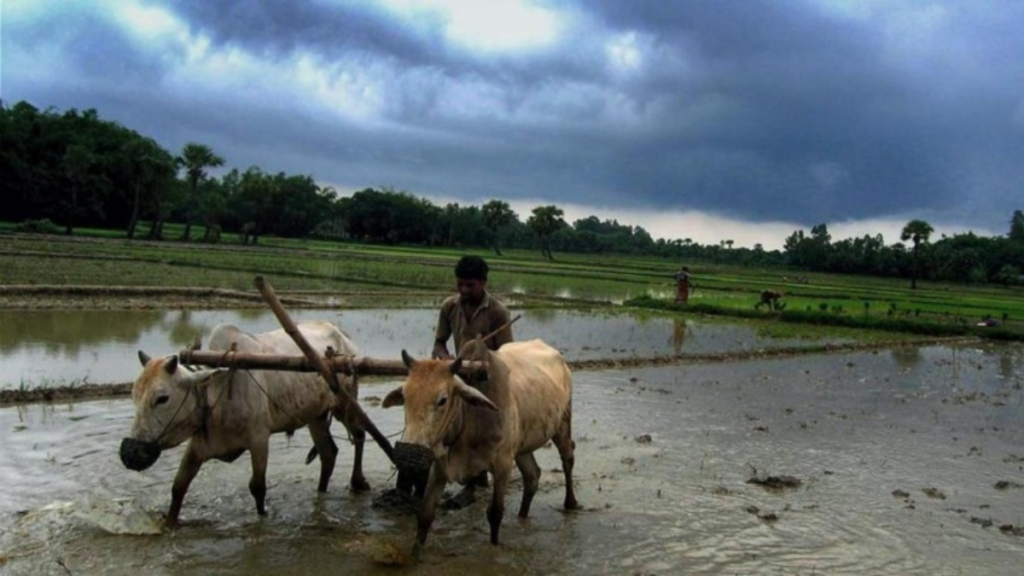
[273, 28]
[758, 110]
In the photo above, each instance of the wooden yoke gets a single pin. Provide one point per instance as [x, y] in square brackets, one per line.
[267, 291]
[350, 365]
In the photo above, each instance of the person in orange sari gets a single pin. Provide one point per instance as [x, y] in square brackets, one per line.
[683, 284]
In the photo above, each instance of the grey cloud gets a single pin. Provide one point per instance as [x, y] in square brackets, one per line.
[757, 110]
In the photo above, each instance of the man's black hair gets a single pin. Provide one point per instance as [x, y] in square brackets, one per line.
[471, 268]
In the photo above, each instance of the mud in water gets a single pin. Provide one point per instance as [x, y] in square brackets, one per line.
[902, 462]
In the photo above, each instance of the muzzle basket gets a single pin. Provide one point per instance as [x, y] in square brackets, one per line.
[138, 454]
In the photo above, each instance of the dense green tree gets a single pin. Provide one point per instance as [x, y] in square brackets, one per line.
[1017, 227]
[392, 217]
[195, 159]
[545, 221]
[255, 203]
[1008, 274]
[497, 215]
[77, 163]
[149, 169]
[918, 232]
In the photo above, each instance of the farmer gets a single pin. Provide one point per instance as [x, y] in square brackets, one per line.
[470, 313]
[683, 284]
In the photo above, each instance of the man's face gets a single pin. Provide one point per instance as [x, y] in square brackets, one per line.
[471, 290]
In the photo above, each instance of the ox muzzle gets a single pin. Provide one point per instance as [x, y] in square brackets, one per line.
[413, 458]
[138, 454]
[413, 462]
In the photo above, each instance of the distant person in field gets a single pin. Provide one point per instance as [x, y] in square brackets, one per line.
[770, 298]
[683, 284]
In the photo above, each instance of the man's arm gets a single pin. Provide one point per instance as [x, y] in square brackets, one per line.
[441, 335]
[503, 336]
[440, 350]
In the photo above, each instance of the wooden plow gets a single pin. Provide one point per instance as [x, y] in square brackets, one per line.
[327, 363]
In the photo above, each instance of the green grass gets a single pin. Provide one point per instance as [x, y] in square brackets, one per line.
[99, 257]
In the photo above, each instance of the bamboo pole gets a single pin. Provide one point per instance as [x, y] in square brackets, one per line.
[329, 376]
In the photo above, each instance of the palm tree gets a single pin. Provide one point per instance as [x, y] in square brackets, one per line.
[546, 220]
[918, 232]
[195, 159]
[497, 215]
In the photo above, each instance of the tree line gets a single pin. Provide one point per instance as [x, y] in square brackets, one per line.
[73, 168]
[964, 258]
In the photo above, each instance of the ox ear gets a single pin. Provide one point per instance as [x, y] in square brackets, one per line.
[394, 398]
[474, 397]
[408, 360]
[144, 358]
[171, 365]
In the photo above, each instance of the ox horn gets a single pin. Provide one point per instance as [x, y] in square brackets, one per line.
[144, 358]
[408, 360]
[171, 365]
[456, 365]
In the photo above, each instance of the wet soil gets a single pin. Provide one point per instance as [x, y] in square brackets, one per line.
[907, 464]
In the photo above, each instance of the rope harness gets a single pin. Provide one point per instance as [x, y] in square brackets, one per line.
[203, 407]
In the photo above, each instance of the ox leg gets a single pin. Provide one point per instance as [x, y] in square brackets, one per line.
[496, 511]
[258, 482]
[435, 487]
[326, 449]
[357, 483]
[567, 452]
[528, 467]
[187, 470]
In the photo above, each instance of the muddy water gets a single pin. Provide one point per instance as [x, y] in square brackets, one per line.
[58, 347]
[663, 462]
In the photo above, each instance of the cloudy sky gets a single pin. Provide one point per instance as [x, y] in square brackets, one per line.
[710, 120]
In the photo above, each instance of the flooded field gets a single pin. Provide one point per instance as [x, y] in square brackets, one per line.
[61, 347]
[874, 463]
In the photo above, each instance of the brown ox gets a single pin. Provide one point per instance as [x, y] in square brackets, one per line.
[526, 402]
[223, 413]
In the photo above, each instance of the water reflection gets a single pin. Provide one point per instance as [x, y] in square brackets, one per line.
[679, 328]
[906, 356]
[76, 346]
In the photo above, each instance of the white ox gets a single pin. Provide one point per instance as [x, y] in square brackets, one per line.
[223, 413]
[526, 401]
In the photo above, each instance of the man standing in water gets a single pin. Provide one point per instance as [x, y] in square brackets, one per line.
[470, 313]
[683, 285]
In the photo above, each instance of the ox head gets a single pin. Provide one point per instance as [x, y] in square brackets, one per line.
[166, 397]
[434, 397]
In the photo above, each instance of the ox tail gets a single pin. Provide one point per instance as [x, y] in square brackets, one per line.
[314, 453]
